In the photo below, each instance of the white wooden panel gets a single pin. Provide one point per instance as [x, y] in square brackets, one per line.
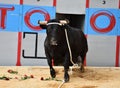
[102, 50]
[71, 6]
[39, 2]
[8, 48]
[10, 1]
[29, 45]
[41, 39]
[104, 3]
[34, 62]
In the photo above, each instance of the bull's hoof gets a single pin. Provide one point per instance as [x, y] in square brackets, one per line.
[66, 78]
[53, 73]
[82, 69]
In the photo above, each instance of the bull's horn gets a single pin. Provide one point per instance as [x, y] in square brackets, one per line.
[42, 22]
[64, 21]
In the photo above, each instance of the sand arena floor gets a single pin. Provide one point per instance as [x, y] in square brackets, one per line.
[93, 77]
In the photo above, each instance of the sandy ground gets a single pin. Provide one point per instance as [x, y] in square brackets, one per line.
[93, 77]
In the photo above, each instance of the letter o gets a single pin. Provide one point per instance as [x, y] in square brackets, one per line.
[106, 29]
[32, 11]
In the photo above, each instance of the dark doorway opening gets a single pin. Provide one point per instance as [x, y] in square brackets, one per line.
[76, 20]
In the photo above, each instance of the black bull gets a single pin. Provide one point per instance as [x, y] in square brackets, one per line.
[56, 46]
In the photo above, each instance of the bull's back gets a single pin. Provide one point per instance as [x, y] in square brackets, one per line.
[78, 41]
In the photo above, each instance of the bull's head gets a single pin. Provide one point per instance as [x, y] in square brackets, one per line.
[54, 30]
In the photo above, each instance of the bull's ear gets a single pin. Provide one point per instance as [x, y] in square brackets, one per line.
[42, 24]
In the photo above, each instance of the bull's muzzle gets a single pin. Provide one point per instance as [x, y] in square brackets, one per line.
[53, 42]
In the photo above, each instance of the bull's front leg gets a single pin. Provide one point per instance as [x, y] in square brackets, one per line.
[66, 68]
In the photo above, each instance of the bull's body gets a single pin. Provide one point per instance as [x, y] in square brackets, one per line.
[56, 46]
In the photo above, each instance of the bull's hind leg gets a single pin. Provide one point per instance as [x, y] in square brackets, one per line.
[82, 69]
[81, 63]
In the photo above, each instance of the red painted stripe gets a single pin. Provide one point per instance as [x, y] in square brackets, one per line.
[85, 61]
[21, 2]
[54, 2]
[119, 4]
[18, 63]
[52, 62]
[117, 48]
[87, 3]
[85, 56]
[87, 6]
[117, 51]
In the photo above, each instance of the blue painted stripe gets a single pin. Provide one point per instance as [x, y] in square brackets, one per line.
[14, 19]
[101, 21]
